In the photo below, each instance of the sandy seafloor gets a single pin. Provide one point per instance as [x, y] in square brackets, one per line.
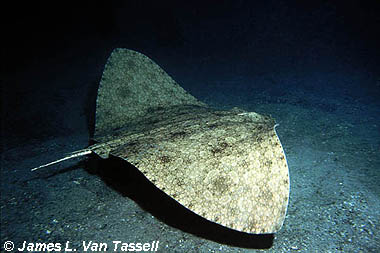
[331, 138]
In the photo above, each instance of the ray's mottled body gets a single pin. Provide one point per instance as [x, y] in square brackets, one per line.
[226, 166]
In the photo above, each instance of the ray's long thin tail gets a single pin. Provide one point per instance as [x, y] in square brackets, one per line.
[74, 154]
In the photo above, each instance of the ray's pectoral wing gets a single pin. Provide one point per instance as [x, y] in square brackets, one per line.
[223, 166]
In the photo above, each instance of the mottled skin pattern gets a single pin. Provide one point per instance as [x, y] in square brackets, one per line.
[227, 166]
[133, 86]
